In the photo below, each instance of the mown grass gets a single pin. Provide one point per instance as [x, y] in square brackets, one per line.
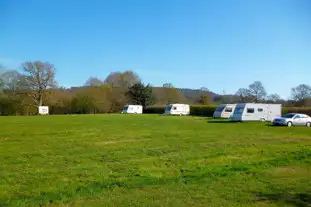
[151, 160]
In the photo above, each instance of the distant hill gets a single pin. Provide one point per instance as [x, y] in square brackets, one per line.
[190, 95]
[194, 94]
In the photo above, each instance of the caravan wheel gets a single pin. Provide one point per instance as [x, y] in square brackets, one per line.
[262, 119]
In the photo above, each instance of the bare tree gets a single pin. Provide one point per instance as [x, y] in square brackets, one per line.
[11, 80]
[301, 92]
[257, 91]
[122, 80]
[120, 84]
[1, 78]
[1, 85]
[2, 68]
[273, 97]
[113, 79]
[168, 85]
[93, 81]
[204, 89]
[37, 78]
[244, 94]
[130, 78]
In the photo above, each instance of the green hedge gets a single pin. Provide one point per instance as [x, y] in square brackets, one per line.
[203, 110]
[195, 110]
[302, 110]
[154, 110]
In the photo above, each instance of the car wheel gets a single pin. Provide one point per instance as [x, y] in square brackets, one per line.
[289, 124]
[308, 124]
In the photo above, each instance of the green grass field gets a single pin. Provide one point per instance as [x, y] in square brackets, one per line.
[151, 160]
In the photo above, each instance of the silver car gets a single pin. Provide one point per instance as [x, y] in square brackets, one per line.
[293, 119]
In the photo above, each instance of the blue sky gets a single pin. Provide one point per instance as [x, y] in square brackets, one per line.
[221, 44]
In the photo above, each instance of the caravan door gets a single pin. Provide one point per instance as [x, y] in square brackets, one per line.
[263, 112]
[273, 111]
[268, 113]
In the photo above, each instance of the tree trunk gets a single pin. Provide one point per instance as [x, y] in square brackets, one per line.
[40, 100]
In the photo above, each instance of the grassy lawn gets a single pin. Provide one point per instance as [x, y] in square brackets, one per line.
[150, 160]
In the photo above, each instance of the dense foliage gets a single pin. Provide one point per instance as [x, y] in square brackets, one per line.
[21, 93]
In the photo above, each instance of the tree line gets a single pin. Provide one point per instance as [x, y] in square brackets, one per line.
[22, 92]
[256, 92]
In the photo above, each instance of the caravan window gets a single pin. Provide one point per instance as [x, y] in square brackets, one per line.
[168, 108]
[228, 110]
[239, 110]
[125, 108]
[250, 110]
[221, 108]
[260, 110]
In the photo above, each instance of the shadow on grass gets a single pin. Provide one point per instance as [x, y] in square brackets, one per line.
[221, 122]
[299, 199]
[271, 125]
[279, 125]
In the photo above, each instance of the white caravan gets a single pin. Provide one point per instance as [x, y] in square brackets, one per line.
[256, 112]
[43, 110]
[177, 109]
[224, 111]
[132, 109]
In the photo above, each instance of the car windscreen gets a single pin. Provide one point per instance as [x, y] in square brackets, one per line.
[289, 115]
